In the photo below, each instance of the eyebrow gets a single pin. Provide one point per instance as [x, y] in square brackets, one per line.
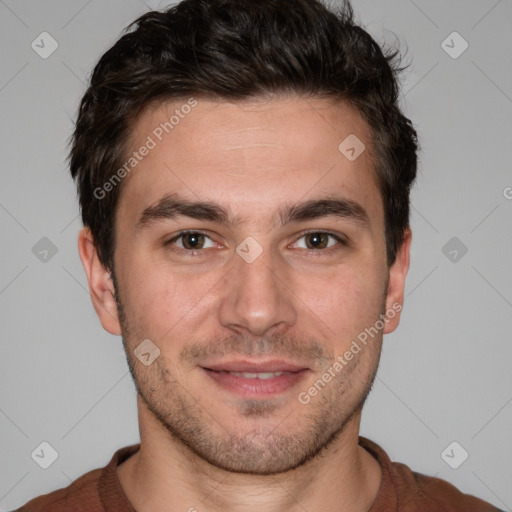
[171, 206]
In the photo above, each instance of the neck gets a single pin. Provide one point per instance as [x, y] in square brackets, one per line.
[165, 475]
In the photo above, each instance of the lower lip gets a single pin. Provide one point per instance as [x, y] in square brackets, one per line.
[256, 387]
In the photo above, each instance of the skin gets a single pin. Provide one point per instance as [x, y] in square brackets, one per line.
[202, 446]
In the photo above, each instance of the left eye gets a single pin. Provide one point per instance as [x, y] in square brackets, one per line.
[318, 240]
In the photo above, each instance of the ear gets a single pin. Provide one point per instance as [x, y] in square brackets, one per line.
[396, 284]
[101, 286]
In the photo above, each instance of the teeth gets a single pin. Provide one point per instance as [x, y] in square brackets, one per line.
[262, 375]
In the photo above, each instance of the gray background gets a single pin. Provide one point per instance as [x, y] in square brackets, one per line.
[445, 374]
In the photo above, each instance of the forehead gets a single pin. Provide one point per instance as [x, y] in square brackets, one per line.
[251, 155]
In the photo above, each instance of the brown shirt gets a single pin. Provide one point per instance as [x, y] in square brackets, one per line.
[401, 490]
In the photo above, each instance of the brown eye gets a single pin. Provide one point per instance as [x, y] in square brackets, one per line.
[317, 240]
[193, 240]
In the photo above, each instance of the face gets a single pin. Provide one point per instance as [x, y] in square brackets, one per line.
[250, 251]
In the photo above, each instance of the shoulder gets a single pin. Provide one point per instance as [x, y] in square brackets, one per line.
[405, 490]
[417, 491]
[73, 497]
[95, 491]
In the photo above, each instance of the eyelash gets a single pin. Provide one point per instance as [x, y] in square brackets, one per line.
[194, 252]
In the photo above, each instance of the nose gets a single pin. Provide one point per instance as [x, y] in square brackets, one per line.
[256, 298]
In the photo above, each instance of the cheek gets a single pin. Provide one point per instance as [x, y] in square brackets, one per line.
[162, 301]
[346, 300]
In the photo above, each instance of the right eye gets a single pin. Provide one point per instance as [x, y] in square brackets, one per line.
[190, 241]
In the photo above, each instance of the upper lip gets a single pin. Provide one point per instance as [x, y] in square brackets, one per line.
[273, 365]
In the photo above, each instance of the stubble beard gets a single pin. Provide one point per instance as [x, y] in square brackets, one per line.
[274, 442]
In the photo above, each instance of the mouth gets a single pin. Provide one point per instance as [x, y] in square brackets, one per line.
[256, 379]
[260, 375]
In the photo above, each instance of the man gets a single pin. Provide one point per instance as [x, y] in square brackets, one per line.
[244, 172]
